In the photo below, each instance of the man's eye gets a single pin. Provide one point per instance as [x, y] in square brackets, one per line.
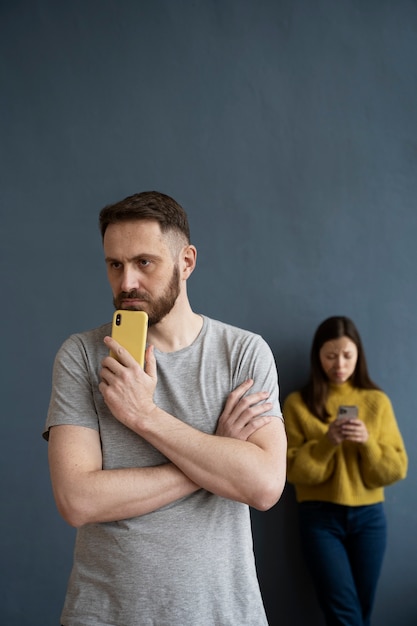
[144, 262]
[114, 265]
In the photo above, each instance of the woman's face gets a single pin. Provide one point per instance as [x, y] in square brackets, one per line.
[338, 359]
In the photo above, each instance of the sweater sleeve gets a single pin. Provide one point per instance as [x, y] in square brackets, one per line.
[311, 455]
[383, 458]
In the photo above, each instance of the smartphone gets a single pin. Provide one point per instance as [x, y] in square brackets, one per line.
[347, 412]
[129, 328]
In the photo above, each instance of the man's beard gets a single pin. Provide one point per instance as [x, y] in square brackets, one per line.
[157, 309]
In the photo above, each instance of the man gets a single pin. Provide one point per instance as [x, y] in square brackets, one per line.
[156, 467]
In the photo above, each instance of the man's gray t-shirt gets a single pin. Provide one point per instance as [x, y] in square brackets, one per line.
[189, 563]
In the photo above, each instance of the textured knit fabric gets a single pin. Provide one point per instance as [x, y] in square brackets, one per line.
[350, 473]
[188, 563]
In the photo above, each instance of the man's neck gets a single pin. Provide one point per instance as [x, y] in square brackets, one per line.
[176, 331]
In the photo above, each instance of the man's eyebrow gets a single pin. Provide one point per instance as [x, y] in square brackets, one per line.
[137, 257]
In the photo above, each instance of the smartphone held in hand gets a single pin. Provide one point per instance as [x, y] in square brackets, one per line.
[347, 412]
[129, 328]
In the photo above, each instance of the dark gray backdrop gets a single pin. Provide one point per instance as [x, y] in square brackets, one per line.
[287, 129]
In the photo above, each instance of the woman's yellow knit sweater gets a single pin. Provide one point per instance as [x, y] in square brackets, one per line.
[351, 474]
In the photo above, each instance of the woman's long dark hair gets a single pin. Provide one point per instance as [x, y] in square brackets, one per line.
[316, 391]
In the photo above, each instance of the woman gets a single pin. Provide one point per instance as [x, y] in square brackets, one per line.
[339, 466]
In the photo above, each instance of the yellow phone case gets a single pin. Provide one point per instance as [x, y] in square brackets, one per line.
[129, 328]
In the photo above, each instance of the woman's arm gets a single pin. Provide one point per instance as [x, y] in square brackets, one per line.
[383, 457]
[311, 453]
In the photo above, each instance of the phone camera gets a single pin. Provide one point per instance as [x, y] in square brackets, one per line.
[118, 319]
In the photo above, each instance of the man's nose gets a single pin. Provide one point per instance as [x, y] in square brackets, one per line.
[130, 279]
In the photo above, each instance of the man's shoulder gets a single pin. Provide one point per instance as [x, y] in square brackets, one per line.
[234, 340]
[217, 326]
[88, 339]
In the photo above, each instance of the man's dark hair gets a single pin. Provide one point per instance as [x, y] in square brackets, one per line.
[148, 205]
[316, 391]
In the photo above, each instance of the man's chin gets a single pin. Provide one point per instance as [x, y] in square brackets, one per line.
[123, 306]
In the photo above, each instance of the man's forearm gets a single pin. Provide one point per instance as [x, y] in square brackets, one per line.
[85, 493]
[113, 495]
[250, 471]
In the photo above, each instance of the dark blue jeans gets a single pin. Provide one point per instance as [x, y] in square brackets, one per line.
[344, 548]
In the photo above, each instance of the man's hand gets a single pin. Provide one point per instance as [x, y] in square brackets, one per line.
[241, 415]
[127, 389]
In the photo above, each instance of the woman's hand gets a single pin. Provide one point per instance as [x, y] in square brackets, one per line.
[354, 430]
[335, 433]
[347, 430]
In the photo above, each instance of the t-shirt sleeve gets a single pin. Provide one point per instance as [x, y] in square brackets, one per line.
[261, 367]
[72, 398]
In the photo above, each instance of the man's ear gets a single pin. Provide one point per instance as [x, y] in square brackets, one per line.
[188, 261]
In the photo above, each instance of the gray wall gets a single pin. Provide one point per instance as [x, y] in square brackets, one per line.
[288, 130]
